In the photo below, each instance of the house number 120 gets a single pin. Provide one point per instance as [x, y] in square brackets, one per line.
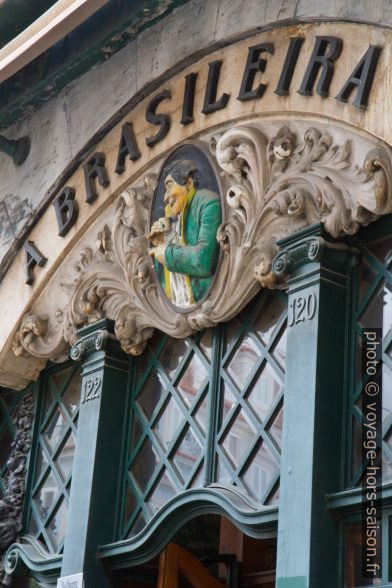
[91, 389]
[302, 308]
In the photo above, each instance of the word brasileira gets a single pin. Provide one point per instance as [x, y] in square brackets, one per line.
[325, 52]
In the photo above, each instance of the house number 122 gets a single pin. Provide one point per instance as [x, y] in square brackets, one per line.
[91, 389]
[302, 308]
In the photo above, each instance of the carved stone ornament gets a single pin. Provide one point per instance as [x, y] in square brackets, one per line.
[11, 505]
[275, 182]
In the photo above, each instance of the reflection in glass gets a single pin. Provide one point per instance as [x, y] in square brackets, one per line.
[238, 438]
[264, 392]
[65, 458]
[244, 361]
[145, 465]
[46, 494]
[56, 428]
[260, 472]
[191, 382]
[354, 558]
[163, 491]
[168, 423]
[187, 454]
[58, 523]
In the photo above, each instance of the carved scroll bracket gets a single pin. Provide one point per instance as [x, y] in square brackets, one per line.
[276, 181]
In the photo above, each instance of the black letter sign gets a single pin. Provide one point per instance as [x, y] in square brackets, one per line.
[189, 98]
[128, 146]
[326, 51]
[93, 169]
[66, 210]
[361, 78]
[254, 63]
[33, 258]
[211, 104]
[283, 87]
[158, 119]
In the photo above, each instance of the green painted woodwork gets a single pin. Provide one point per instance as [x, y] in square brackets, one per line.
[371, 307]
[203, 431]
[91, 515]
[52, 456]
[318, 280]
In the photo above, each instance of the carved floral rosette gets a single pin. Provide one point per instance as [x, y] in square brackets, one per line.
[274, 185]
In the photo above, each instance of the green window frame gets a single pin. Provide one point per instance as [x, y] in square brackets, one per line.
[225, 404]
[50, 471]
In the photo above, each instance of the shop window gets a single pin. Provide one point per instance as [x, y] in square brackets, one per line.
[205, 411]
[372, 309]
[53, 456]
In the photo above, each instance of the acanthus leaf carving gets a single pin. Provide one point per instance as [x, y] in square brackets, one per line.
[272, 188]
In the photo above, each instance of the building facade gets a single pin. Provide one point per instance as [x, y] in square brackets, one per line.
[195, 266]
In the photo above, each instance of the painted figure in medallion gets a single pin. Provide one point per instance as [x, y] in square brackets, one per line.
[185, 249]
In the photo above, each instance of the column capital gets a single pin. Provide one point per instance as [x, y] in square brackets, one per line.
[312, 245]
[93, 337]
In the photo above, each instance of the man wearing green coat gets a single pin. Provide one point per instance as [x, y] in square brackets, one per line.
[185, 239]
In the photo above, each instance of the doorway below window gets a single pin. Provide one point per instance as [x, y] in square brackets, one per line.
[208, 552]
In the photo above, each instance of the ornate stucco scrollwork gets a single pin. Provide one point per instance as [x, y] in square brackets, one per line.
[11, 505]
[274, 183]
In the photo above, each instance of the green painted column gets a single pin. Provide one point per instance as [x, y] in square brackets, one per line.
[317, 271]
[96, 468]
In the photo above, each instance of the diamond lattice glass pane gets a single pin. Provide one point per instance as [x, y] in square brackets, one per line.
[46, 495]
[267, 318]
[280, 349]
[145, 465]
[55, 430]
[59, 378]
[71, 395]
[275, 497]
[229, 401]
[366, 276]
[163, 491]
[136, 432]
[130, 504]
[6, 439]
[64, 460]
[168, 423]
[201, 414]
[198, 481]
[386, 392]
[357, 447]
[151, 393]
[276, 429]
[264, 392]
[33, 527]
[187, 454]
[232, 330]
[42, 464]
[172, 355]
[239, 438]
[372, 317]
[382, 248]
[223, 474]
[205, 343]
[192, 380]
[138, 525]
[244, 361]
[358, 359]
[260, 472]
[386, 468]
[58, 523]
